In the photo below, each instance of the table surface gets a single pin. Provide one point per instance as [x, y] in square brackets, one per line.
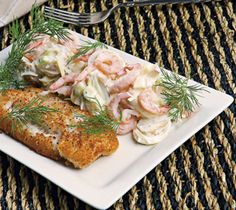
[196, 40]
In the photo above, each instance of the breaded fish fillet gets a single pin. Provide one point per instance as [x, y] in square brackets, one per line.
[57, 139]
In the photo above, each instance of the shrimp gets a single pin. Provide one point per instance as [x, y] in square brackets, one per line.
[146, 100]
[124, 104]
[40, 40]
[83, 74]
[34, 45]
[129, 120]
[71, 78]
[186, 114]
[72, 42]
[127, 126]
[83, 58]
[35, 48]
[114, 103]
[108, 62]
[128, 113]
[124, 82]
[65, 90]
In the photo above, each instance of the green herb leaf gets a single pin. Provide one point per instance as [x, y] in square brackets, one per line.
[14, 30]
[32, 112]
[12, 84]
[181, 97]
[84, 49]
[101, 122]
[9, 75]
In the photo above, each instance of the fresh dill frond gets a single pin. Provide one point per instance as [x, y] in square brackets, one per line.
[51, 28]
[12, 84]
[9, 70]
[8, 80]
[178, 95]
[14, 30]
[36, 15]
[32, 112]
[100, 122]
[84, 49]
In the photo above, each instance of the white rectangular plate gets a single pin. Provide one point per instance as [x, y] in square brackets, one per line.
[106, 180]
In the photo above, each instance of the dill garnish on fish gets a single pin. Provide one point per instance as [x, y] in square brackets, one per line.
[100, 122]
[31, 113]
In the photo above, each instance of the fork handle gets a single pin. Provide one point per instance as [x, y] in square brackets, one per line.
[158, 2]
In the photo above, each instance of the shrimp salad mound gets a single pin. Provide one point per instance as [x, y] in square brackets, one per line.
[98, 77]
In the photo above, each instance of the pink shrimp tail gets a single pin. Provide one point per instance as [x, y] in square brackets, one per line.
[122, 72]
[164, 109]
[127, 126]
[114, 103]
[124, 82]
[83, 75]
[128, 113]
[70, 78]
[65, 90]
[83, 58]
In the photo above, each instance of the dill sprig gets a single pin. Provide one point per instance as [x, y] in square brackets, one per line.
[100, 122]
[178, 95]
[32, 112]
[84, 49]
[14, 30]
[9, 77]
[12, 84]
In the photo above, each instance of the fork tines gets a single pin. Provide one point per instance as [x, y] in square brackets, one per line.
[67, 17]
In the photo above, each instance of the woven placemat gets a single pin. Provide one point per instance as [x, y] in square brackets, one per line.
[197, 40]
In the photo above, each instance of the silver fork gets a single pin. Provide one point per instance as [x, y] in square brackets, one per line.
[98, 17]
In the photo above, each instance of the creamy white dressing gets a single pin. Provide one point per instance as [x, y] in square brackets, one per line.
[50, 60]
[50, 57]
[44, 93]
[77, 118]
[55, 139]
[133, 100]
[69, 128]
[147, 78]
[34, 130]
[101, 77]
[8, 106]
[152, 130]
[75, 67]
[70, 123]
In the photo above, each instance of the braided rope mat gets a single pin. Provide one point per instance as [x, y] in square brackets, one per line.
[195, 39]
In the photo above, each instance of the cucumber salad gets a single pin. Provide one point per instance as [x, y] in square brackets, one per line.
[144, 99]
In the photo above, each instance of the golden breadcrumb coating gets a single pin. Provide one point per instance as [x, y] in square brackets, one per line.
[57, 139]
